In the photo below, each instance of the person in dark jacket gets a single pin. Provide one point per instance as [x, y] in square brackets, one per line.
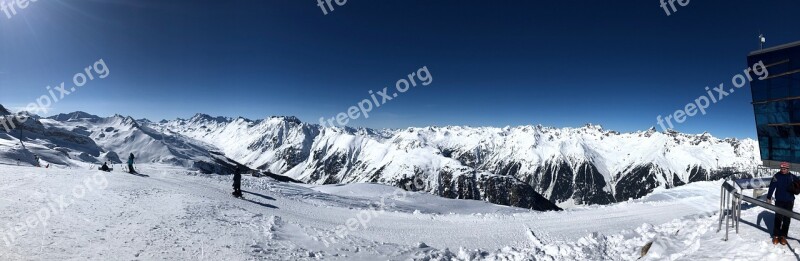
[237, 182]
[130, 164]
[105, 167]
[781, 185]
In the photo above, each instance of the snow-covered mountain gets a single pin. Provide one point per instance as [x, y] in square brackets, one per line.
[515, 165]
[4, 111]
[527, 166]
[79, 138]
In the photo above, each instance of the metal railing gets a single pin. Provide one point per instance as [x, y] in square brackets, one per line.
[730, 206]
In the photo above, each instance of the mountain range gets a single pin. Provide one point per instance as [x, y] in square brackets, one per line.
[533, 167]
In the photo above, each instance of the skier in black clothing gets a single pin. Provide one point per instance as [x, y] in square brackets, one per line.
[781, 185]
[237, 182]
[130, 164]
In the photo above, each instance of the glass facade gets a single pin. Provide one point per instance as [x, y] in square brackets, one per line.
[776, 103]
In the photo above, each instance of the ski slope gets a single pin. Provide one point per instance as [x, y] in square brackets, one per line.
[176, 214]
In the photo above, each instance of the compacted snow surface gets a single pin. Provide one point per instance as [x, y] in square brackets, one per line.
[169, 213]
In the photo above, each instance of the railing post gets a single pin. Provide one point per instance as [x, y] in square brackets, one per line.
[721, 203]
[727, 214]
[738, 212]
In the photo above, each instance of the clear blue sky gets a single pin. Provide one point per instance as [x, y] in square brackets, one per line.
[495, 63]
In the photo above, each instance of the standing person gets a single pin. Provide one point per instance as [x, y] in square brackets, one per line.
[781, 185]
[130, 164]
[237, 182]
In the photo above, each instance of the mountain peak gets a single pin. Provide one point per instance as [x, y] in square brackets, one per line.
[125, 120]
[205, 117]
[78, 115]
[290, 119]
[593, 126]
[4, 111]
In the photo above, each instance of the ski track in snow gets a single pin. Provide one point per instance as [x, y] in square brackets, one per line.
[176, 214]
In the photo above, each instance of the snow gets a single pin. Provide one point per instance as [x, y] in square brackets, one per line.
[123, 135]
[177, 214]
[389, 155]
[82, 140]
[435, 158]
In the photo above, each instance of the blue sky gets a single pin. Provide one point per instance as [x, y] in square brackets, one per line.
[556, 63]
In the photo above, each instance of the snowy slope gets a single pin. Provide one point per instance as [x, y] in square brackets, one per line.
[175, 214]
[55, 146]
[277, 144]
[569, 166]
[81, 139]
[120, 136]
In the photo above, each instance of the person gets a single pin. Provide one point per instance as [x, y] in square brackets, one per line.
[781, 186]
[130, 164]
[105, 167]
[237, 182]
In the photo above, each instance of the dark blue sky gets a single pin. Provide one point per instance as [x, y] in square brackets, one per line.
[557, 63]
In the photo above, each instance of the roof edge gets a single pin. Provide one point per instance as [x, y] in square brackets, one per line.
[774, 48]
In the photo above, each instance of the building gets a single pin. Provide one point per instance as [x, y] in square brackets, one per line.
[776, 103]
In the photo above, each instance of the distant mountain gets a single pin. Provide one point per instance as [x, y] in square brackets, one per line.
[79, 138]
[4, 111]
[75, 116]
[568, 166]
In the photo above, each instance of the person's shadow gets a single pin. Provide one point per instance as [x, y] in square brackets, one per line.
[259, 203]
[260, 195]
[767, 217]
[769, 220]
[140, 175]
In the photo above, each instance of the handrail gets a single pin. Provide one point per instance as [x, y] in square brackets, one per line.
[794, 215]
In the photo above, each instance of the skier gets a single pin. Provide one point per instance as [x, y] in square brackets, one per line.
[781, 185]
[237, 182]
[130, 164]
[105, 167]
